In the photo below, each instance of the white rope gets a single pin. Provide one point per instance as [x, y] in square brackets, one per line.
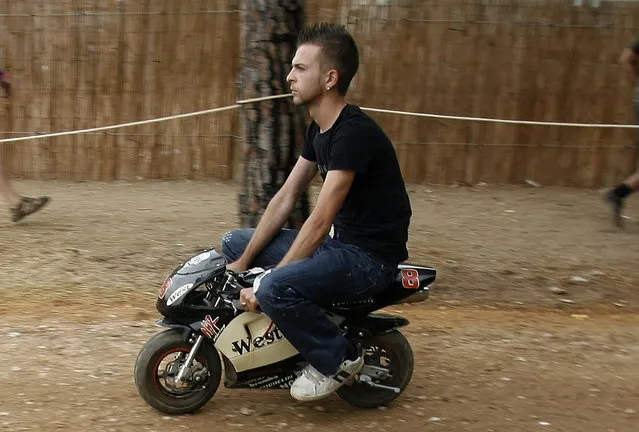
[494, 120]
[142, 122]
[265, 98]
[99, 14]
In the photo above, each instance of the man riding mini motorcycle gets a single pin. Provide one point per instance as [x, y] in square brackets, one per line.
[363, 196]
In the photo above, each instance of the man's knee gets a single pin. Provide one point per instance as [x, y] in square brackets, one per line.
[233, 244]
[275, 295]
[268, 292]
[226, 242]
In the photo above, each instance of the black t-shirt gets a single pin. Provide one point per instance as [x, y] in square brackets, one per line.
[376, 212]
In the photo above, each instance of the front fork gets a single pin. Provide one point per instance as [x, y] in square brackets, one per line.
[189, 358]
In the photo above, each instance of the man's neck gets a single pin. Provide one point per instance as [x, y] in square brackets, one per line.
[326, 111]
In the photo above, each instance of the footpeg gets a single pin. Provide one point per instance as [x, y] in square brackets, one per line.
[368, 380]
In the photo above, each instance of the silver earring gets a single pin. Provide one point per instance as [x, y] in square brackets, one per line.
[327, 88]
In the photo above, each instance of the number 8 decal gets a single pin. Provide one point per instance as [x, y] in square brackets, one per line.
[410, 279]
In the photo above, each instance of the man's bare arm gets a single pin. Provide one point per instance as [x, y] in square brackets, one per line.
[330, 200]
[277, 212]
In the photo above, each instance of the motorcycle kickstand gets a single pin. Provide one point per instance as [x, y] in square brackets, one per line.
[189, 358]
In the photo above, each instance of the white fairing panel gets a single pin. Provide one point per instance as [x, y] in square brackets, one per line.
[251, 340]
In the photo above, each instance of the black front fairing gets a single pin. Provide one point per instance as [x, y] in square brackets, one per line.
[207, 263]
[183, 293]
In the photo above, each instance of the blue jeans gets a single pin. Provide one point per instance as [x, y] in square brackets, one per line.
[293, 295]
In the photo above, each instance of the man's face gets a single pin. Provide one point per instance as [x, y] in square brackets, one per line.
[306, 79]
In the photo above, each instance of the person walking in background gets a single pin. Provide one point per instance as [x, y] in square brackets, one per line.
[19, 206]
[616, 196]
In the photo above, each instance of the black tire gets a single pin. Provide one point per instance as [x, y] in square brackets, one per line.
[395, 348]
[155, 393]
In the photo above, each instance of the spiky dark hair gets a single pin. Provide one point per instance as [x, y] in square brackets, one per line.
[339, 50]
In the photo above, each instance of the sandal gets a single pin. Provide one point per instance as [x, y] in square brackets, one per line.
[28, 206]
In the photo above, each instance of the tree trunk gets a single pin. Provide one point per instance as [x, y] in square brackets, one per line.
[273, 130]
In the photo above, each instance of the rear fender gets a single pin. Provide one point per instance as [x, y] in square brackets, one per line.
[372, 324]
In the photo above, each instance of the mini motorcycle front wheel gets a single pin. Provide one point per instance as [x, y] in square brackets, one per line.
[158, 364]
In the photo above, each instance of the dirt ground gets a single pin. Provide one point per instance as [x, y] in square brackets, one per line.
[532, 324]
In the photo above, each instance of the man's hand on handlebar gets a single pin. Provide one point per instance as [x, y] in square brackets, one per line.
[237, 267]
[248, 300]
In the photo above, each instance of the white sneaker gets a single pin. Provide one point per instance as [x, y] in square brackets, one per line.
[312, 385]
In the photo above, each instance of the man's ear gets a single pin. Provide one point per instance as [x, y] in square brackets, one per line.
[332, 78]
